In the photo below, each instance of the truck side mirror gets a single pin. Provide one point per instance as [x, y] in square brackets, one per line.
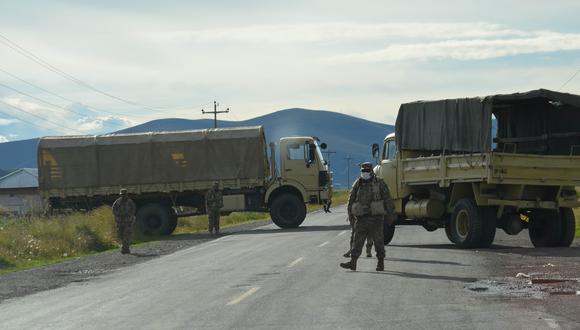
[376, 151]
[323, 146]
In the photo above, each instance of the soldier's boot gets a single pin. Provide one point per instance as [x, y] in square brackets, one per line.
[381, 265]
[347, 255]
[350, 265]
[125, 250]
[369, 251]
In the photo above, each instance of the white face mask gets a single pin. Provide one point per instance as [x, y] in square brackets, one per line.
[365, 175]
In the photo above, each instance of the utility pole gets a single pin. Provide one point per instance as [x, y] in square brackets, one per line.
[327, 155]
[215, 113]
[348, 159]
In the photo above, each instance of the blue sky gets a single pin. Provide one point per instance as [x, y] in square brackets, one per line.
[361, 58]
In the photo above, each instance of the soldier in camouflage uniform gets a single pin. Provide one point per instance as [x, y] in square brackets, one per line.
[214, 201]
[369, 244]
[369, 203]
[124, 212]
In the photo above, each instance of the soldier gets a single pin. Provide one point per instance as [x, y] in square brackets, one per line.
[369, 244]
[214, 201]
[369, 203]
[124, 212]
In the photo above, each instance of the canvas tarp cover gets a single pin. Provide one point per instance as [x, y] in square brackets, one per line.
[151, 158]
[539, 121]
[456, 125]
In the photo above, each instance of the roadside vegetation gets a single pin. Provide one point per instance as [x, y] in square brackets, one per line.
[37, 241]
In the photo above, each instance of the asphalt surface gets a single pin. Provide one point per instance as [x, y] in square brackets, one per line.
[269, 278]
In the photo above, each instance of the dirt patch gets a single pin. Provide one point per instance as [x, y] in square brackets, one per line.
[30, 281]
[545, 279]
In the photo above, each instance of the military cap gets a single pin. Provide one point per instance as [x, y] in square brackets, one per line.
[123, 191]
[366, 167]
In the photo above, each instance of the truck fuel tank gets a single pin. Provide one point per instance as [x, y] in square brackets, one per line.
[424, 208]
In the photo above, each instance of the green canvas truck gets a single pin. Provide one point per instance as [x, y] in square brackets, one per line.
[446, 170]
[168, 173]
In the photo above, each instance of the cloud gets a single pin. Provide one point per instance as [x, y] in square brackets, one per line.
[339, 32]
[7, 122]
[475, 49]
[3, 139]
[78, 120]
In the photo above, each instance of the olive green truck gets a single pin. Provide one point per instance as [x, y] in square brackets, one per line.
[168, 173]
[473, 165]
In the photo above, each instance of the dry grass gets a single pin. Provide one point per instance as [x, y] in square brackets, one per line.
[199, 223]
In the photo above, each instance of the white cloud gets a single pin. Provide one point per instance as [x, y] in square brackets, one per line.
[3, 139]
[7, 122]
[475, 49]
[339, 32]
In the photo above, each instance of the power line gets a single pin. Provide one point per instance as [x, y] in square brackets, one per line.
[28, 122]
[14, 46]
[41, 118]
[569, 80]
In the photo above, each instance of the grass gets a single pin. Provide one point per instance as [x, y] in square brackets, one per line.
[34, 242]
[26, 243]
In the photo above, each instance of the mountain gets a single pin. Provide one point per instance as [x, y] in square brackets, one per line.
[345, 135]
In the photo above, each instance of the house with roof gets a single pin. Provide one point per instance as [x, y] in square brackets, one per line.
[19, 193]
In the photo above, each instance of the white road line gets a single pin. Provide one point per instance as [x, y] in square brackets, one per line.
[552, 323]
[342, 233]
[323, 244]
[293, 263]
[243, 296]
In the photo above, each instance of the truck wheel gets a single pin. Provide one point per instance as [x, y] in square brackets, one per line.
[489, 214]
[156, 220]
[288, 211]
[466, 224]
[568, 227]
[388, 233]
[545, 228]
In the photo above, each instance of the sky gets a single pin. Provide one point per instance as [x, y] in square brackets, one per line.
[90, 67]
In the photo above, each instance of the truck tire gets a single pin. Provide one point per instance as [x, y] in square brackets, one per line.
[288, 211]
[156, 220]
[448, 231]
[568, 227]
[466, 224]
[489, 214]
[388, 233]
[545, 228]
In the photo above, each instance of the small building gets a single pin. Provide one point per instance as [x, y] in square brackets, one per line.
[19, 192]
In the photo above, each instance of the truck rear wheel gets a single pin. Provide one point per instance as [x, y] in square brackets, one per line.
[156, 219]
[388, 233]
[545, 228]
[288, 211]
[489, 214]
[466, 224]
[568, 227]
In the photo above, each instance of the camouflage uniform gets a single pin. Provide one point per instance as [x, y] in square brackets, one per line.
[365, 192]
[214, 201]
[369, 244]
[124, 212]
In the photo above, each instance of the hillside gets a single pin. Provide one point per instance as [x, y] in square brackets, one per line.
[345, 135]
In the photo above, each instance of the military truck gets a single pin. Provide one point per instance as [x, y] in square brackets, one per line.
[168, 173]
[472, 165]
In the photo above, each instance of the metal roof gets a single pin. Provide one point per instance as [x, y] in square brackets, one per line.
[22, 178]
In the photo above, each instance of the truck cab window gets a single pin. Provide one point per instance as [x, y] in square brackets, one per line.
[392, 150]
[296, 152]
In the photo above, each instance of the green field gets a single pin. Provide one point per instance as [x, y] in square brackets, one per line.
[37, 241]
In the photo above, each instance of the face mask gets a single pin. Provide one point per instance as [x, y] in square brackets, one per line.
[365, 175]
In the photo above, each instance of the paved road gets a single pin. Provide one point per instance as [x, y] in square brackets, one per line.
[273, 279]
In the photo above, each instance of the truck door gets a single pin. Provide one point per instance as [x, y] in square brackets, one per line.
[389, 166]
[300, 164]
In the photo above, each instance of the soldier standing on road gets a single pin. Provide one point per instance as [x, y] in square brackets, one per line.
[124, 212]
[214, 201]
[369, 203]
[369, 244]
